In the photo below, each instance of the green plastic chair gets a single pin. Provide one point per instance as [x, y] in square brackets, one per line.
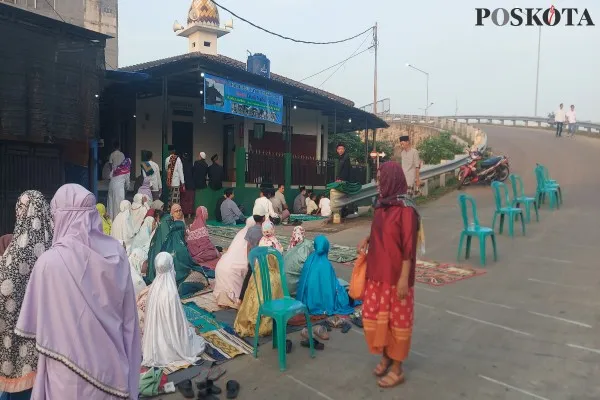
[504, 208]
[551, 182]
[473, 229]
[280, 310]
[545, 187]
[520, 198]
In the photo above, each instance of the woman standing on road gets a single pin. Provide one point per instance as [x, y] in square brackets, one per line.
[390, 278]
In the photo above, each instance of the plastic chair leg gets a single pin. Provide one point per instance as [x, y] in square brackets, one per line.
[310, 334]
[275, 342]
[256, 329]
[494, 220]
[493, 237]
[528, 212]
[468, 251]
[281, 345]
[460, 245]
[511, 227]
[501, 224]
[522, 223]
[537, 211]
[482, 250]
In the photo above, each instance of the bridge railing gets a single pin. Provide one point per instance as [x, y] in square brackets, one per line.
[589, 127]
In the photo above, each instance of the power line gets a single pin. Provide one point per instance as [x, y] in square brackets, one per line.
[344, 62]
[335, 65]
[63, 20]
[286, 37]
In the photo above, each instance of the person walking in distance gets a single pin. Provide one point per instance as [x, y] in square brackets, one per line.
[175, 176]
[411, 165]
[572, 119]
[559, 118]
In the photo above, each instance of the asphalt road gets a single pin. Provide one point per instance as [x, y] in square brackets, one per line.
[527, 329]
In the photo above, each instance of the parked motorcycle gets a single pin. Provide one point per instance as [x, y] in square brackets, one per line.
[486, 171]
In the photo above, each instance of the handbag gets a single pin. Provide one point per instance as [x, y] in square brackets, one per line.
[358, 279]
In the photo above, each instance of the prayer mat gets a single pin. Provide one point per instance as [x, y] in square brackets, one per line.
[205, 301]
[202, 320]
[440, 274]
[222, 345]
[306, 217]
[337, 253]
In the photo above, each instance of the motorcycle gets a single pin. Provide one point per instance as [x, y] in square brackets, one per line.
[486, 171]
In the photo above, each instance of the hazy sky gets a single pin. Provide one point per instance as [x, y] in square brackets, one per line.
[489, 70]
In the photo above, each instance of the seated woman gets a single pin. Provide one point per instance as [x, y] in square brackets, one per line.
[137, 259]
[198, 241]
[168, 339]
[106, 223]
[318, 287]
[311, 205]
[295, 257]
[138, 212]
[231, 270]
[170, 237]
[145, 191]
[122, 226]
[142, 238]
[245, 322]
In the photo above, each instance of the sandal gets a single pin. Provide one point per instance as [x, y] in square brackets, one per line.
[382, 368]
[316, 344]
[391, 379]
[318, 330]
[186, 389]
[233, 389]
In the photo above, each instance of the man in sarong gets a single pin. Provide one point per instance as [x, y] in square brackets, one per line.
[175, 177]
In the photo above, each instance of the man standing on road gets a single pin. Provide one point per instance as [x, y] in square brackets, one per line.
[175, 177]
[559, 118]
[572, 119]
[411, 165]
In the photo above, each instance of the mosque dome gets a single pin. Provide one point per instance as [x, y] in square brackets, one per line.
[203, 12]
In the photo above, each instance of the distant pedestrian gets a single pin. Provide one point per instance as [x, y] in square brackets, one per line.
[559, 118]
[572, 119]
[411, 165]
[175, 177]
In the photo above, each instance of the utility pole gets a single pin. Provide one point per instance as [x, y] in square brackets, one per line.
[537, 80]
[375, 44]
[456, 109]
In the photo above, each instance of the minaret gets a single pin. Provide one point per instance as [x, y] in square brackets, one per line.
[202, 28]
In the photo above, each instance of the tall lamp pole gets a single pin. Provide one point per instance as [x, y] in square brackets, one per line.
[537, 80]
[427, 75]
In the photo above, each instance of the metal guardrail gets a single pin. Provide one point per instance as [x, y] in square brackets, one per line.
[590, 127]
[339, 200]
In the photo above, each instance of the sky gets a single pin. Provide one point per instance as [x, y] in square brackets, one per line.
[486, 70]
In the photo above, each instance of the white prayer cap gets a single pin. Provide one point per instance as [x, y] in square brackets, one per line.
[203, 155]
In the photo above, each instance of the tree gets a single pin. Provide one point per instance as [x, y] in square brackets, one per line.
[434, 149]
[355, 146]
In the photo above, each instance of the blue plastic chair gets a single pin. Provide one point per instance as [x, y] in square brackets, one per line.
[545, 187]
[520, 198]
[471, 229]
[504, 209]
[280, 310]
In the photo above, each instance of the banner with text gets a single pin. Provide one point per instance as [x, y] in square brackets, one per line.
[223, 95]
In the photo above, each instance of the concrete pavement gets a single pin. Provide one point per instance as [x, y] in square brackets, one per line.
[527, 329]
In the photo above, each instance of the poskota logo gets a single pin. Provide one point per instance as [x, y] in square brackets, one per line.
[551, 16]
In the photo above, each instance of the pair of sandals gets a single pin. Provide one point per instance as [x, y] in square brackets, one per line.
[387, 378]
[207, 389]
[319, 331]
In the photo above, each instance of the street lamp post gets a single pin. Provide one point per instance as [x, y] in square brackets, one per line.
[427, 76]
[537, 77]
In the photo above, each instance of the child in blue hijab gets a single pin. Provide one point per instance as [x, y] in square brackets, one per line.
[318, 287]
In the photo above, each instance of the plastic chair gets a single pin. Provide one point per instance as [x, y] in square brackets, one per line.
[282, 309]
[544, 188]
[519, 197]
[550, 182]
[471, 229]
[504, 208]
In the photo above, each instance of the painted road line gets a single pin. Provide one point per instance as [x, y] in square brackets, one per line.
[555, 283]
[506, 328]
[419, 353]
[425, 305]
[576, 346]
[516, 389]
[306, 385]
[555, 260]
[427, 289]
[485, 302]
[357, 331]
[569, 321]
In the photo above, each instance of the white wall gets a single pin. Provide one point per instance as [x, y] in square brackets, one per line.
[208, 137]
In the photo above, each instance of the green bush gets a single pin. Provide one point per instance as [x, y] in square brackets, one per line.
[437, 148]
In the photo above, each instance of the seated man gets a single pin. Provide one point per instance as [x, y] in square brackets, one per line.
[280, 205]
[230, 212]
[264, 204]
[300, 201]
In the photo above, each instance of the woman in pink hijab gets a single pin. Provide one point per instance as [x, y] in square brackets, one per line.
[82, 288]
[198, 241]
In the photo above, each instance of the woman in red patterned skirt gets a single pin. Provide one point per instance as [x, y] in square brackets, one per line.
[389, 288]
